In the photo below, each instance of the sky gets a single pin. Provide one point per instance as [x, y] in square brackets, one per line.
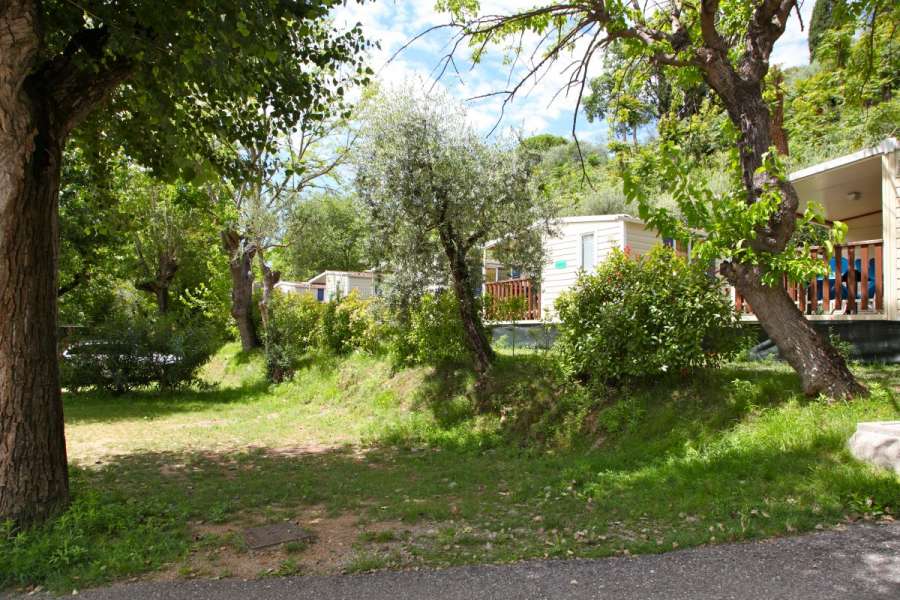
[540, 108]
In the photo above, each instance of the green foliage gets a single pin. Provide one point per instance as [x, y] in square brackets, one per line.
[102, 535]
[579, 179]
[291, 332]
[434, 334]
[638, 317]
[826, 15]
[435, 191]
[722, 224]
[848, 99]
[132, 350]
[349, 324]
[299, 325]
[119, 226]
[325, 233]
[201, 71]
[505, 309]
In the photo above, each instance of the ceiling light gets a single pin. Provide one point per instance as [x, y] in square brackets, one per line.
[853, 196]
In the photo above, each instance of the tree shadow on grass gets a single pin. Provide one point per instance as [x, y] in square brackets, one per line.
[135, 513]
[102, 407]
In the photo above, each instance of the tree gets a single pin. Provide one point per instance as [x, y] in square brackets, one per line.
[159, 244]
[579, 178]
[325, 231]
[826, 15]
[195, 71]
[436, 192]
[851, 97]
[259, 202]
[752, 227]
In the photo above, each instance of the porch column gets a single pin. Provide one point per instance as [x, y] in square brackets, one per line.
[890, 206]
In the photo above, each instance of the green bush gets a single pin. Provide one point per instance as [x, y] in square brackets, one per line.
[299, 324]
[134, 350]
[434, 333]
[293, 329]
[349, 324]
[638, 317]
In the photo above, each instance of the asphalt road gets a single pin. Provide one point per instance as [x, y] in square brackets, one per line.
[860, 563]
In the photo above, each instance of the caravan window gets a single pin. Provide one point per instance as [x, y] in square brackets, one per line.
[587, 252]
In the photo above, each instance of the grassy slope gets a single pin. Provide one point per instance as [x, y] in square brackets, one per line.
[334, 403]
[728, 455]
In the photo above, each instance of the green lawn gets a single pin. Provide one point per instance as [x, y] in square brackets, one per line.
[397, 470]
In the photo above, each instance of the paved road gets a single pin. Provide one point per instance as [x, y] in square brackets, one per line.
[860, 563]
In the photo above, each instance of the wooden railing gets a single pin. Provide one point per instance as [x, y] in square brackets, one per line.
[855, 282]
[498, 291]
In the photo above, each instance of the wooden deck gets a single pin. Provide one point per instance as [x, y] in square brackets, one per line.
[497, 291]
[854, 286]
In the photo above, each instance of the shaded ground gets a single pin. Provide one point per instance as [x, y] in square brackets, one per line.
[394, 470]
[860, 562]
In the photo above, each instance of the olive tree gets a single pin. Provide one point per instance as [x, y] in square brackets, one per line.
[436, 191]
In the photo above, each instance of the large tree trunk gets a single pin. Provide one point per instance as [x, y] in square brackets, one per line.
[820, 367]
[34, 479]
[476, 339]
[40, 104]
[240, 264]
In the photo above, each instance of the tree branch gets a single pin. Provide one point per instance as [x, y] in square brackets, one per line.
[75, 89]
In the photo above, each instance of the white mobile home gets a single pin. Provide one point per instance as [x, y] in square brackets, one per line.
[340, 283]
[581, 243]
[861, 190]
[301, 287]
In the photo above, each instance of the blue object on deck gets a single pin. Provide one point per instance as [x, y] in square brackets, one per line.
[845, 267]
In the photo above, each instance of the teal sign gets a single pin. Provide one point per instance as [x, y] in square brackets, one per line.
[560, 264]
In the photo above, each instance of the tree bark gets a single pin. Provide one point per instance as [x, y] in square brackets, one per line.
[476, 339]
[34, 482]
[240, 264]
[270, 278]
[820, 367]
[40, 104]
[167, 267]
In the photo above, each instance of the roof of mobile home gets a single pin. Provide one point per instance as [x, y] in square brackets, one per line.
[320, 278]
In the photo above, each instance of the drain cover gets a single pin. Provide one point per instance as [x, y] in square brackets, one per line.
[277, 533]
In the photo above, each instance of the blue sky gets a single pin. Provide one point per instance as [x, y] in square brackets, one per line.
[395, 22]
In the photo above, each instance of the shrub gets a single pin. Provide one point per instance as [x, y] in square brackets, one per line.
[434, 333]
[292, 330]
[299, 323]
[639, 317]
[130, 351]
[349, 324]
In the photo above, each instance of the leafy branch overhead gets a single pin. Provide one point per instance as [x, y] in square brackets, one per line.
[178, 75]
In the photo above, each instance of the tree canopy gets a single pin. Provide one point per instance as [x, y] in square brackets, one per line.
[180, 74]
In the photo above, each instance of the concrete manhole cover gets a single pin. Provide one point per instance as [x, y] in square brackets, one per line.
[277, 533]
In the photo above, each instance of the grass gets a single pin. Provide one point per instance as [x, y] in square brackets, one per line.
[403, 468]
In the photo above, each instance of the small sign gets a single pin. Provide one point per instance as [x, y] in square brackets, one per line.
[560, 264]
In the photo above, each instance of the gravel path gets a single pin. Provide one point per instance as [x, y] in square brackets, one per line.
[861, 562]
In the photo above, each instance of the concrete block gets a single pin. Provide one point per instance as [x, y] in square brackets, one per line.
[877, 442]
